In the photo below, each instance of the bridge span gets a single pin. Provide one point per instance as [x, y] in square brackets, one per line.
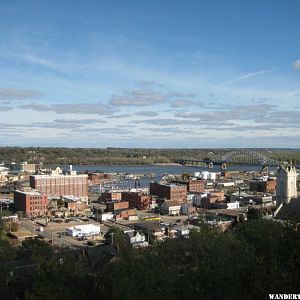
[234, 157]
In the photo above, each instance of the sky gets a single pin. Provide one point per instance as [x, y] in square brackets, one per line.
[159, 74]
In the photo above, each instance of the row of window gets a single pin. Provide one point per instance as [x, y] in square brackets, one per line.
[34, 208]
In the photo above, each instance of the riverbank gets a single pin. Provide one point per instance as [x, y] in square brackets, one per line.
[166, 164]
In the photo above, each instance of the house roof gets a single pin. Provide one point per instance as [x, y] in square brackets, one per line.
[290, 211]
[169, 203]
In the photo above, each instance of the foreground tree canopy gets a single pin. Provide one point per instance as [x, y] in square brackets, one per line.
[250, 261]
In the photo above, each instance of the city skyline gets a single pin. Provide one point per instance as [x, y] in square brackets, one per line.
[150, 74]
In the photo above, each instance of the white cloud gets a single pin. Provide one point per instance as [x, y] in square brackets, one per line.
[249, 75]
[138, 98]
[297, 64]
[17, 94]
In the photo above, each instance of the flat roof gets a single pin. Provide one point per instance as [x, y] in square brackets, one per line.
[30, 193]
[58, 176]
[84, 226]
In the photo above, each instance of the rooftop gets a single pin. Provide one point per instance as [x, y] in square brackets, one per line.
[30, 193]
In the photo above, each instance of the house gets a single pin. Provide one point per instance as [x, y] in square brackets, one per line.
[187, 209]
[135, 238]
[151, 230]
[184, 230]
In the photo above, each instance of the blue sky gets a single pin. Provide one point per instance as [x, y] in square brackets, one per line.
[150, 73]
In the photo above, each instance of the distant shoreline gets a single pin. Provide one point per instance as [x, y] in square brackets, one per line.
[166, 164]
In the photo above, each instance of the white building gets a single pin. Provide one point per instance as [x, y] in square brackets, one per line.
[184, 230]
[233, 205]
[136, 239]
[286, 185]
[171, 208]
[226, 183]
[83, 230]
[197, 198]
[105, 216]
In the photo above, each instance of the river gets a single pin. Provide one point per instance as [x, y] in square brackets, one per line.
[158, 171]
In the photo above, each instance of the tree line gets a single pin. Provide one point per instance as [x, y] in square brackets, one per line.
[122, 156]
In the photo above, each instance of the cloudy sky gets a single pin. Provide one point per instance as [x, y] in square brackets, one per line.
[150, 73]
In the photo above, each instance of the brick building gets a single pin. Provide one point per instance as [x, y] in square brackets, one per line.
[169, 191]
[137, 200]
[266, 186]
[60, 184]
[97, 178]
[193, 186]
[74, 204]
[112, 206]
[124, 213]
[33, 203]
[110, 196]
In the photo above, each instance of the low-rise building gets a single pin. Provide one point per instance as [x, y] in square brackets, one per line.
[169, 191]
[197, 198]
[171, 208]
[151, 230]
[112, 206]
[83, 230]
[187, 209]
[74, 204]
[124, 214]
[193, 186]
[226, 205]
[138, 200]
[265, 186]
[110, 196]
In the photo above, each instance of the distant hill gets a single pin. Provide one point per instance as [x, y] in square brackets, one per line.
[123, 156]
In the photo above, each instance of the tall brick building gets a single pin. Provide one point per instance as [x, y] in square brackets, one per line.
[33, 203]
[193, 186]
[267, 186]
[169, 191]
[60, 184]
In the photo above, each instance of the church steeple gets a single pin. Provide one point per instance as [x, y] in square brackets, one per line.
[286, 185]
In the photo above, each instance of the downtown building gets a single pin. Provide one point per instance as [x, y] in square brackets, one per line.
[57, 184]
[193, 186]
[138, 200]
[33, 203]
[169, 191]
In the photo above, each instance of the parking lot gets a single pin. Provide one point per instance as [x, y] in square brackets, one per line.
[55, 232]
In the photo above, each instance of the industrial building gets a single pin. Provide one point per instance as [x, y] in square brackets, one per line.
[83, 230]
[58, 184]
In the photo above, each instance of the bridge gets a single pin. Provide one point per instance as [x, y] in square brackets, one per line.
[234, 157]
